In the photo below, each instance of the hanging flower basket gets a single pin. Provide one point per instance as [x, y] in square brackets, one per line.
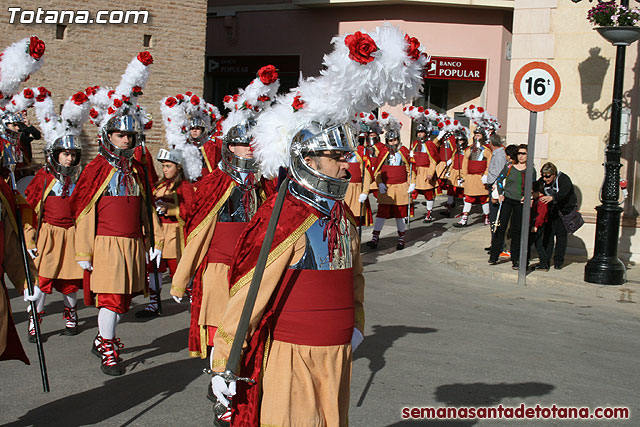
[619, 36]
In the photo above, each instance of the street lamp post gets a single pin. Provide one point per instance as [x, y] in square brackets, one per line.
[605, 267]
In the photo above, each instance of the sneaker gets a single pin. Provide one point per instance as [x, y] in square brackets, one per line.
[70, 315]
[96, 345]
[428, 217]
[463, 221]
[542, 267]
[110, 358]
[31, 332]
[505, 254]
[401, 241]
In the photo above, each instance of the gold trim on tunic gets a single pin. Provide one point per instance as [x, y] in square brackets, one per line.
[212, 213]
[96, 195]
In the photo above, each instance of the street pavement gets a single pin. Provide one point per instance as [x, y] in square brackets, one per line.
[440, 332]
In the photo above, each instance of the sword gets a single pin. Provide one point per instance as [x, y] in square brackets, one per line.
[409, 202]
[364, 168]
[27, 270]
[40, 213]
[152, 238]
[233, 362]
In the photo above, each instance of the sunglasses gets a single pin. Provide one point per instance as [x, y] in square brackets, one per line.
[547, 176]
[522, 153]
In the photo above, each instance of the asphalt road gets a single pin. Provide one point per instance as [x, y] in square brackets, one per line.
[434, 337]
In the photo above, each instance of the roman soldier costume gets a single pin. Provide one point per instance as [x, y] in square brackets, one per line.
[309, 315]
[49, 194]
[107, 205]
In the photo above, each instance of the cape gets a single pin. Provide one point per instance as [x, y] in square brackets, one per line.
[212, 153]
[34, 191]
[148, 161]
[212, 191]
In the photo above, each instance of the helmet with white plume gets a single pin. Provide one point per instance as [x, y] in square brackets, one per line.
[391, 128]
[364, 71]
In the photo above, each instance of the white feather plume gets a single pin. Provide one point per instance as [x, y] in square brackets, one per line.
[16, 64]
[75, 112]
[344, 87]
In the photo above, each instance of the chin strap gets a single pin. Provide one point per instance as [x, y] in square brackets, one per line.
[248, 196]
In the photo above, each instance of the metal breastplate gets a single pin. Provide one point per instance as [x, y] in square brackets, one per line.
[56, 190]
[118, 186]
[477, 154]
[394, 159]
[316, 252]
[234, 210]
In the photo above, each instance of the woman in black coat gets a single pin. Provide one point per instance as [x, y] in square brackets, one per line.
[561, 197]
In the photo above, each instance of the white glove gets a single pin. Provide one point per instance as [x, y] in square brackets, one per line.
[221, 389]
[449, 162]
[460, 181]
[33, 253]
[154, 254]
[484, 179]
[86, 265]
[177, 299]
[411, 154]
[356, 339]
[382, 188]
[160, 210]
[362, 198]
[412, 187]
[37, 293]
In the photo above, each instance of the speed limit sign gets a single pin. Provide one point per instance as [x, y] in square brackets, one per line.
[536, 86]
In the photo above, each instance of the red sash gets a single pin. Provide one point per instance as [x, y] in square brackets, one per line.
[119, 216]
[476, 167]
[393, 174]
[422, 159]
[224, 240]
[316, 309]
[57, 211]
[356, 173]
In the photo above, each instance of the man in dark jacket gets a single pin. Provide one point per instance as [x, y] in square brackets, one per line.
[561, 196]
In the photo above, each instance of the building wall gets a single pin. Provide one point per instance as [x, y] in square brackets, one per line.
[443, 31]
[97, 54]
[573, 134]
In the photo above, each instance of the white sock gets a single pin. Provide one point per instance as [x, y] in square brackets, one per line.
[485, 208]
[211, 356]
[107, 321]
[69, 300]
[429, 205]
[40, 303]
[466, 208]
[450, 200]
[400, 225]
[377, 226]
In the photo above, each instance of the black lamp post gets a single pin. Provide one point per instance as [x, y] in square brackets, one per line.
[605, 268]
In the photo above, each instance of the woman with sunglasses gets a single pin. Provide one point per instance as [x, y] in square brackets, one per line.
[511, 196]
[561, 198]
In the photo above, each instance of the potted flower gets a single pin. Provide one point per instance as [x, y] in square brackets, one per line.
[616, 23]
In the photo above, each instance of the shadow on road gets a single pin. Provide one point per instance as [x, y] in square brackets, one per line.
[148, 387]
[374, 346]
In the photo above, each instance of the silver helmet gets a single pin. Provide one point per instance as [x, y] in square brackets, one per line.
[124, 123]
[235, 165]
[391, 135]
[313, 141]
[373, 140]
[423, 127]
[173, 156]
[51, 152]
[6, 119]
[198, 122]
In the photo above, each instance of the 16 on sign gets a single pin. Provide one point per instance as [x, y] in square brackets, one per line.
[536, 86]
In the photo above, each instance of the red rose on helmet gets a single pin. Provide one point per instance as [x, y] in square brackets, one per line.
[179, 97]
[413, 49]
[361, 46]
[420, 110]
[440, 125]
[384, 114]
[93, 113]
[411, 108]
[146, 58]
[137, 91]
[117, 103]
[472, 106]
[371, 117]
[110, 110]
[79, 98]
[297, 103]
[264, 98]
[268, 74]
[188, 93]
[480, 110]
[148, 125]
[170, 102]
[195, 100]
[36, 47]
[455, 123]
[110, 93]
[227, 98]
[27, 93]
[125, 98]
[362, 115]
[235, 97]
[90, 91]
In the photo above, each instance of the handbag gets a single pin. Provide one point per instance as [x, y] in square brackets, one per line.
[572, 221]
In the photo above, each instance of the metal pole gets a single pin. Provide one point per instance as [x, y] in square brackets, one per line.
[605, 268]
[526, 207]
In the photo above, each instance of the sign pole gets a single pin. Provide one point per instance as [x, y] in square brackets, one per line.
[526, 207]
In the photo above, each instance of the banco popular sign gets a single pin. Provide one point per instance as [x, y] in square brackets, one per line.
[448, 68]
